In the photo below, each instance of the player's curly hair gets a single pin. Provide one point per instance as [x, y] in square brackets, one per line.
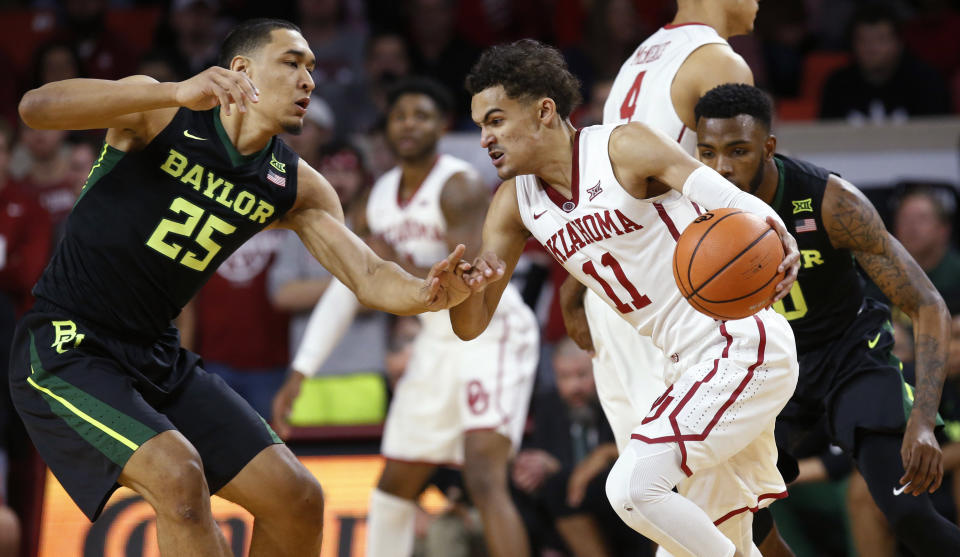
[733, 99]
[249, 36]
[527, 69]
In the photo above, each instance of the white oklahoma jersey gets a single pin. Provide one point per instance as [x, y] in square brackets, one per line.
[450, 386]
[641, 90]
[728, 379]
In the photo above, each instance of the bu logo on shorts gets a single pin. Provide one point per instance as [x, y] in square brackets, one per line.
[64, 332]
[477, 397]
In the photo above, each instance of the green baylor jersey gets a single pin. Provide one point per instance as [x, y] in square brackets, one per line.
[151, 226]
[828, 292]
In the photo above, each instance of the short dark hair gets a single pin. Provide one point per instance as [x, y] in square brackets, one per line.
[733, 99]
[422, 86]
[527, 69]
[250, 36]
[873, 12]
[942, 196]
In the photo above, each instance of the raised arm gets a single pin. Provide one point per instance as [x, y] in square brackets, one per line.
[134, 108]
[852, 223]
[504, 236]
[318, 219]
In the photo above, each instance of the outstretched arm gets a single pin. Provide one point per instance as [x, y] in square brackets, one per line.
[318, 219]
[853, 223]
[503, 239]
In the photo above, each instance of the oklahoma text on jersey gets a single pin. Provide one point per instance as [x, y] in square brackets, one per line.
[592, 228]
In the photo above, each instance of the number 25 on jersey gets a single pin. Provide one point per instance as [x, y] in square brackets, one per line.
[204, 237]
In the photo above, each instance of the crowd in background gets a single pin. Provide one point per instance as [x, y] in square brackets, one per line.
[838, 59]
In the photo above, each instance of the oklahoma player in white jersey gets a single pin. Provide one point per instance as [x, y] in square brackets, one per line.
[659, 85]
[460, 403]
[605, 203]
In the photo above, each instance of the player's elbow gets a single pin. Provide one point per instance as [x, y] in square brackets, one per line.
[33, 106]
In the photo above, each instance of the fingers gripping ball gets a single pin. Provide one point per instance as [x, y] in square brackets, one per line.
[725, 263]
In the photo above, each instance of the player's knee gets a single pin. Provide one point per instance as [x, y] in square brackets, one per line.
[638, 481]
[484, 482]
[299, 498]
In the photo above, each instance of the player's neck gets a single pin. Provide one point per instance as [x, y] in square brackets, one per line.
[704, 15]
[556, 169]
[771, 181]
[414, 171]
[244, 131]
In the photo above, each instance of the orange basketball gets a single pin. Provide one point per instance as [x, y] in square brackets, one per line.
[725, 263]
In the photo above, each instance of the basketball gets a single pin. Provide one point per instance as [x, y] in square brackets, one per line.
[725, 263]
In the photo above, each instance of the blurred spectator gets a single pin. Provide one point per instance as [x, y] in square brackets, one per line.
[923, 221]
[403, 331]
[785, 35]
[316, 134]
[591, 113]
[234, 327]
[80, 161]
[338, 46]
[884, 81]
[438, 52]
[103, 55]
[932, 35]
[41, 162]
[158, 66]
[615, 31]
[54, 61]
[25, 237]
[564, 467]
[191, 42]
[9, 522]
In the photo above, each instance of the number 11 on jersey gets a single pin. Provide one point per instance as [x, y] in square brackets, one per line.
[639, 301]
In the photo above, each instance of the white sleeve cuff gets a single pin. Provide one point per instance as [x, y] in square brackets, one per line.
[711, 190]
[330, 320]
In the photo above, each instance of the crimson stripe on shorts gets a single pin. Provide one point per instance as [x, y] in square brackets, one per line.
[735, 512]
[680, 439]
[668, 221]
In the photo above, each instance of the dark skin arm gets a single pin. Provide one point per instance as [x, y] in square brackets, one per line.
[574, 315]
[852, 223]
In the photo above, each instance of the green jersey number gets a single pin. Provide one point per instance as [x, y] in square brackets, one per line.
[180, 206]
[796, 300]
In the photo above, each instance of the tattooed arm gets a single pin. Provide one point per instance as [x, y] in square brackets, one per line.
[852, 223]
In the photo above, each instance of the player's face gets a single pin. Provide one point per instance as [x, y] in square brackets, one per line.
[414, 126]
[736, 147]
[740, 15]
[508, 130]
[281, 72]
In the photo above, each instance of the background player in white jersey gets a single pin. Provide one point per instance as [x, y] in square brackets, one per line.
[616, 233]
[457, 403]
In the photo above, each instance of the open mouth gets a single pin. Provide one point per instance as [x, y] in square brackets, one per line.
[303, 103]
[496, 157]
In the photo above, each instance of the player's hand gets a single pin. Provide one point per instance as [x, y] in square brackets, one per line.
[791, 260]
[217, 86]
[531, 468]
[283, 402]
[485, 269]
[922, 459]
[571, 294]
[445, 285]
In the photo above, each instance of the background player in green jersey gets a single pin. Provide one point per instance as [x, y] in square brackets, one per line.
[844, 338]
[188, 172]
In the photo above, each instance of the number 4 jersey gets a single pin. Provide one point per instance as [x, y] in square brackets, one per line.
[151, 226]
[641, 91]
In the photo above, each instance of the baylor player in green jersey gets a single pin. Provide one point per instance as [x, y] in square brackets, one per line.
[188, 172]
[843, 338]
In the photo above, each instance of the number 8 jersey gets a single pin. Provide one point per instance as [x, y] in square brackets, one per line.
[151, 226]
[641, 91]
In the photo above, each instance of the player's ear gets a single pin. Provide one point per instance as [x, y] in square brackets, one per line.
[769, 147]
[547, 110]
[240, 64]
